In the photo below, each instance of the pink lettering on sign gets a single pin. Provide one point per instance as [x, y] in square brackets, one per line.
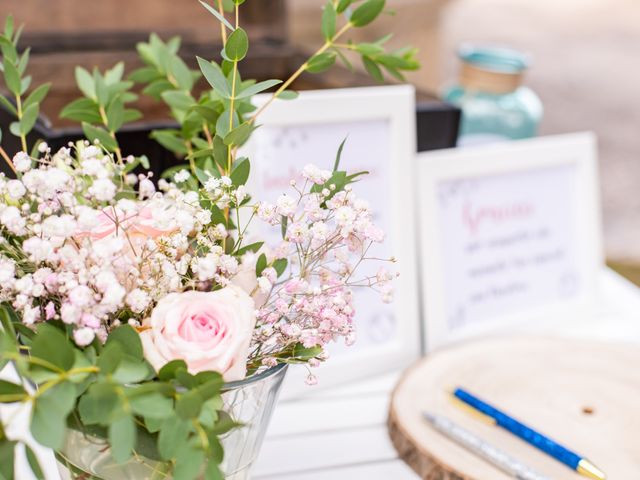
[475, 217]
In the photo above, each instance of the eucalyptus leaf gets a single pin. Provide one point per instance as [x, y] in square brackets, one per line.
[37, 96]
[7, 458]
[100, 134]
[51, 345]
[173, 434]
[11, 77]
[329, 17]
[213, 74]
[321, 62]
[366, 13]
[85, 83]
[29, 117]
[122, 438]
[237, 45]
[217, 14]
[49, 415]
[34, 464]
[257, 88]
[240, 173]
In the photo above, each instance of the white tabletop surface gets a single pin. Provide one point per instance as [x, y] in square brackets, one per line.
[340, 433]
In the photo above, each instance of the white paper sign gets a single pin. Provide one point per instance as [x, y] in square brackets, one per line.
[510, 236]
[281, 152]
[507, 243]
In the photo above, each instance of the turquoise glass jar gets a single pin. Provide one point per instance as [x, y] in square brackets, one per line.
[495, 105]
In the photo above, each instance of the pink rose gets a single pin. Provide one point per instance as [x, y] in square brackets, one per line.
[208, 330]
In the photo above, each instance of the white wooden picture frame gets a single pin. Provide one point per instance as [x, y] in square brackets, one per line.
[510, 236]
[379, 125]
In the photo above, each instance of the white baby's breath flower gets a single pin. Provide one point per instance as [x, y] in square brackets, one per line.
[22, 162]
[103, 190]
[15, 189]
[84, 336]
[182, 176]
[11, 218]
[285, 205]
[138, 300]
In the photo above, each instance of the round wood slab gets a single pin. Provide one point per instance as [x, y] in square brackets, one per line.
[583, 394]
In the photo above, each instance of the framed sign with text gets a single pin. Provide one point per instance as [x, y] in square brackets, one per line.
[509, 234]
[379, 126]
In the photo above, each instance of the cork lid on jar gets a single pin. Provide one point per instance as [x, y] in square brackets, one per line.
[492, 69]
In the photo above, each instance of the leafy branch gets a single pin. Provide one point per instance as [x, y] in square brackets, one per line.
[13, 68]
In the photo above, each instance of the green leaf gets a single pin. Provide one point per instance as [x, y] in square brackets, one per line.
[100, 134]
[11, 77]
[343, 5]
[222, 125]
[50, 344]
[178, 100]
[336, 164]
[181, 73]
[115, 115]
[280, 265]
[240, 173]
[288, 95]
[155, 88]
[239, 135]
[173, 434]
[82, 110]
[170, 140]
[261, 264]
[237, 45]
[144, 75]
[128, 339]
[216, 14]
[152, 405]
[321, 62]
[98, 403]
[373, 69]
[49, 416]
[36, 469]
[207, 113]
[122, 438]
[168, 372]
[14, 127]
[213, 74]
[114, 74]
[37, 96]
[257, 88]
[102, 90]
[85, 83]
[329, 17]
[11, 390]
[8, 105]
[254, 247]
[29, 117]
[189, 404]
[366, 13]
[132, 370]
[188, 463]
[213, 471]
[7, 458]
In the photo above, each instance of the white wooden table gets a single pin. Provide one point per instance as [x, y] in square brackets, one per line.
[340, 433]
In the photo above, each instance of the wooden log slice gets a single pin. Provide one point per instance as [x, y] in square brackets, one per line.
[583, 394]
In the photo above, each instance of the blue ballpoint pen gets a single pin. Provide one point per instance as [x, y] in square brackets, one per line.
[529, 435]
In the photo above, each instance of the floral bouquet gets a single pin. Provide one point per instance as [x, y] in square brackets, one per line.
[142, 318]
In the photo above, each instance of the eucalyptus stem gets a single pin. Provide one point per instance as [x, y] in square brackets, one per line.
[328, 44]
[8, 161]
[23, 138]
[223, 30]
[112, 134]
